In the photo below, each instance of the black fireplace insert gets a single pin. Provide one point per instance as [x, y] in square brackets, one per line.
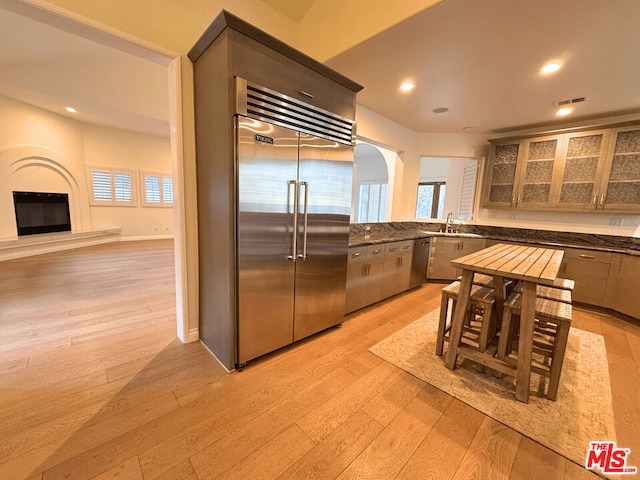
[41, 212]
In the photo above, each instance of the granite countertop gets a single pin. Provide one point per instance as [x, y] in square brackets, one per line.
[399, 231]
[361, 239]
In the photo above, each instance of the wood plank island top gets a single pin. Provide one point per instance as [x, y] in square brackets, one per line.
[528, 263]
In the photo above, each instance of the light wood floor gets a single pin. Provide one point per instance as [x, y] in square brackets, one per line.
[95, 385]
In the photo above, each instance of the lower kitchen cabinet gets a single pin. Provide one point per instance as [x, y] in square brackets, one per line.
[624, 285]
[364, 276]
[443, 250]
[590, 270]
[397, 268]
[376, 272]
[603, 279]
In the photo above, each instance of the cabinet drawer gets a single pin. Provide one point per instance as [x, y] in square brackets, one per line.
[357, 253]
[398, 247]
[406, 246]
[587, 255]
[365, 251]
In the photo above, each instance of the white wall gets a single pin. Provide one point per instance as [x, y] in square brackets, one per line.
[378, 130]
[373, 164]
[117, 148]
[42, 151]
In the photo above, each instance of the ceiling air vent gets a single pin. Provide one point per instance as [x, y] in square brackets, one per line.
[569, 101]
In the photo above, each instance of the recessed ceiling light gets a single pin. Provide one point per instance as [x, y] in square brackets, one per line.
[440, 110]
[407, 86]
[71, 110]
[564, 111]
[550, 68]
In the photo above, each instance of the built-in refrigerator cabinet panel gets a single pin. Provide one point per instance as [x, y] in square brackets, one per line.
[231, 48]
[267, 173]
[325, 173]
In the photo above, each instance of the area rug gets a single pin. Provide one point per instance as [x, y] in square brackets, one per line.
[581, 414]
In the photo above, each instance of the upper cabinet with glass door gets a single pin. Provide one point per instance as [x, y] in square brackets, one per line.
[501, 176]
[620, 188]
[584, 166]
[596, 170]
[523, 173]
[539, 171]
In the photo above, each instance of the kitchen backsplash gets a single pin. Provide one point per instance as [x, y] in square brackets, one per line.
[395, 229]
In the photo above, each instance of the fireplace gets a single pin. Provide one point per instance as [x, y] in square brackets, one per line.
[40, 212]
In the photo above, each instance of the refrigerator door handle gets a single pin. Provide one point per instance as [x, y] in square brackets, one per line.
[303, 256]
[294, 246]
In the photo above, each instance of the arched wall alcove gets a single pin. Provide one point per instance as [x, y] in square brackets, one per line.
[372, 183]
[39, 169]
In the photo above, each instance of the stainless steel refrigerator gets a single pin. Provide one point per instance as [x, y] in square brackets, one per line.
[294, 177]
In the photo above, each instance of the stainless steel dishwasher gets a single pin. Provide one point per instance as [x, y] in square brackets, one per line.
[419, 262]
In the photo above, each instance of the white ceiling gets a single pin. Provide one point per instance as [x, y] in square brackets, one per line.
[50, 68]
[480, 59]
[293, 9]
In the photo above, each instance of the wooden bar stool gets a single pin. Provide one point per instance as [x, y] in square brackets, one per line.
[564, 283]
[550, 293]
[480, 326]
[552, 324]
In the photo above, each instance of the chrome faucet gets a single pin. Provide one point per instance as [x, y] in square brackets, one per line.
[449, 228]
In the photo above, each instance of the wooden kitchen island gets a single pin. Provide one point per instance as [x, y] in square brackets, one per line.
[531, 265]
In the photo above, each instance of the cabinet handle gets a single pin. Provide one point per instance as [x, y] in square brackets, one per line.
[602, 199]
[377, 250]
[306, 94]
[590, 257]
[294, 242]
[305, 218]
[513, 200]
[517, 200]
[355, 254]
[594, 202]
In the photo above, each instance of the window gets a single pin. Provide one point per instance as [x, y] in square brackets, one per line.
[111, 187]
[430, 202]
[158, 190]
[373, 202]
[465, 211]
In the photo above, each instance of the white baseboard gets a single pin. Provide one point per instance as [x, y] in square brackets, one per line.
[192, 336]
[30, 245]
[147, 237]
